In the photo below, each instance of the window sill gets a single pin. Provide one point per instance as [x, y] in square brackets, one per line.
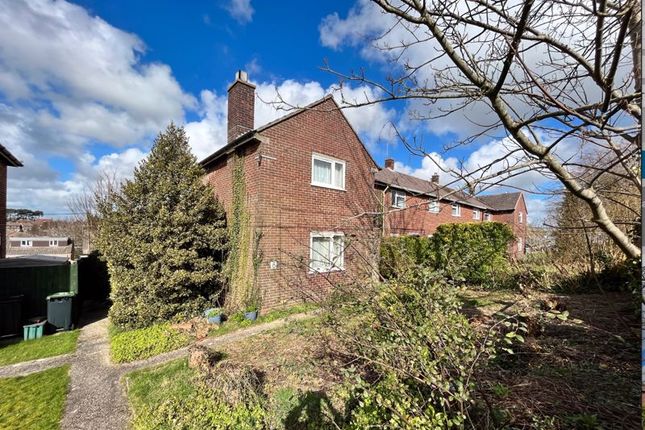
[314, 184]
[332, 270]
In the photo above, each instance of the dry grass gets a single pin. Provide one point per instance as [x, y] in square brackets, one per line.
[569, 374]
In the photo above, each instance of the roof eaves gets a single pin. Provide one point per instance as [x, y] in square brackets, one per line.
[9, 157]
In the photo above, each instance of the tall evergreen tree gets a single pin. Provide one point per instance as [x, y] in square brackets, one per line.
[164, 237]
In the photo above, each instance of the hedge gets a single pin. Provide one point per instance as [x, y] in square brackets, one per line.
[465, 252]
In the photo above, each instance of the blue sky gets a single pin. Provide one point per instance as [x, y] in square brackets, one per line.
[85, 86]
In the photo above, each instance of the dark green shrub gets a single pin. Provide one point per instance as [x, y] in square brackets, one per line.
[404, 253]
[471, 252]
[163, 236]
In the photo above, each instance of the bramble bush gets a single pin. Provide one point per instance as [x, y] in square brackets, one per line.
[415, 353]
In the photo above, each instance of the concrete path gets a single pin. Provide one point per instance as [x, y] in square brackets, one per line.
[96, 398]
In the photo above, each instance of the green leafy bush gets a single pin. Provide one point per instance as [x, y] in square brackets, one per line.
[471, 251]
[137, 344]
[415, 353]
[404, 253]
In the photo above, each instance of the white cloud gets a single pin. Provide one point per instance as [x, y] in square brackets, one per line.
[209, 133]
[240, 10]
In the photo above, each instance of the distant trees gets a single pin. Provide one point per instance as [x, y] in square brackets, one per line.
[23, 214]
[163, 235]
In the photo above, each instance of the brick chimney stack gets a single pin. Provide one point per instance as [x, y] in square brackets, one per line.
[389, 163]
[241, 106]
[435, 178]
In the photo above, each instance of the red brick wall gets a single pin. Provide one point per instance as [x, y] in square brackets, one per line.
[3, 210]
[241, 104]
[286, 208]
[416, 219]
[519, 229]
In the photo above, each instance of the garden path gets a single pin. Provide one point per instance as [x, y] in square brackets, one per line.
[97, 399]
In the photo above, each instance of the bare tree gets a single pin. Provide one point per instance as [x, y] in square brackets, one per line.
[83, 206]
[560, 78]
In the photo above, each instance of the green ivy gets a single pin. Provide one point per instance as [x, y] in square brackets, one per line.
[244, 257]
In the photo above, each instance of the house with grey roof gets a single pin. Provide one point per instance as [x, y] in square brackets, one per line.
[415, 206]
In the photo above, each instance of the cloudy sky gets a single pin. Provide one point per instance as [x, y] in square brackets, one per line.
[85, 86]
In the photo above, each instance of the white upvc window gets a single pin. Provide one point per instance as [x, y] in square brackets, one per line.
[487, 217]
[327, 172]
[327, 251]
[456, 209]
[434, 207]
[476, 214]
[53, 242]
[26, 243]
[398, 199]
[520, 245]
[520, 217]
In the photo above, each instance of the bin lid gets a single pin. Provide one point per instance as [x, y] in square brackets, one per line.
[61, 295]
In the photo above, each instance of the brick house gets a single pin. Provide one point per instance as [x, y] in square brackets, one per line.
[6, 160]
[415, 206]
[309, 195]
[313, 197]
[25, 245]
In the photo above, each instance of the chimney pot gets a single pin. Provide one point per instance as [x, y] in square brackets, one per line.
[241, 106]
[435, 178]
[389, 163]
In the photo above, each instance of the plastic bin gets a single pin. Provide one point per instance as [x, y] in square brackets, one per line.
[33, 331]
[10, 315]
[60, 310]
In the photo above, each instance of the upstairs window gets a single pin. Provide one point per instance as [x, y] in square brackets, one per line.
[487, 217]
[476, 214]
[520, 217]
[456, 209]
[26, 243]
[398, 199]
[53, 243]
[434, 207]
[327, 252]
[327, 172]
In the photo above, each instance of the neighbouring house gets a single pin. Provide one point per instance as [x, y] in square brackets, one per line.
[304, 185]
[6, 160]
[306, 199]
[415, 206]
[42, 246]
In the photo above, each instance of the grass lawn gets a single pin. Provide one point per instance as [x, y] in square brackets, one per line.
[16, 351]
[138, 344]
[35, 401]
[296, 383]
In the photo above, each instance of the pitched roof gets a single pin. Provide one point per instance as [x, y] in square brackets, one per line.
[501, 202]
[421, 186]
[253, 135]
[8, 158]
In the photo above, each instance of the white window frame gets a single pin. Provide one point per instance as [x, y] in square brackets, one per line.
[488, 216]
[335, 263]
[53, 242]
[333, 161]
[520, 217]
[434, 206]
[520, 245]
[476, 214]
[395, 194]
[26, 243]
[456, 206]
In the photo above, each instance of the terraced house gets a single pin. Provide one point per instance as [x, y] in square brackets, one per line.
[306, 198]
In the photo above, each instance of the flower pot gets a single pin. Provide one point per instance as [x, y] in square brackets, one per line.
[213, 319]
[217, 319]
[251, 316]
